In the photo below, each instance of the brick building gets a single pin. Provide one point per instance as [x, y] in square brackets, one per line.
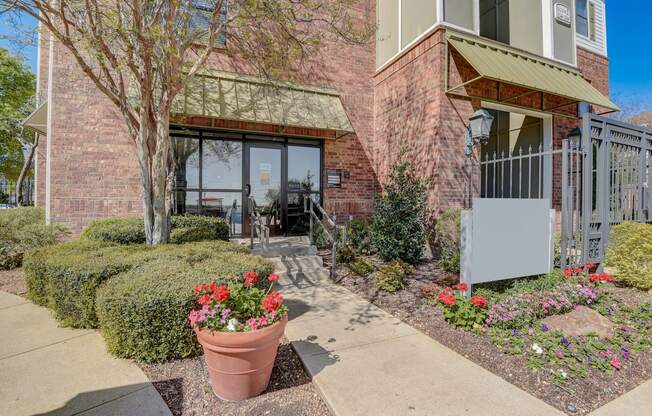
[534, 64]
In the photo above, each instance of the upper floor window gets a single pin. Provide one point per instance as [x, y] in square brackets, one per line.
[494, 20]
[585, 18]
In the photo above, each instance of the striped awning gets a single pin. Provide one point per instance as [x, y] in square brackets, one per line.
[502, 63]
[232, 96]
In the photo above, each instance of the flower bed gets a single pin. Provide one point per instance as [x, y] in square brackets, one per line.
[501, 329]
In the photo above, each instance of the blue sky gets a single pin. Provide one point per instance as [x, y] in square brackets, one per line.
[629, 47]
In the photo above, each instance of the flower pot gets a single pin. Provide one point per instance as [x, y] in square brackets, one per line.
[240, 363]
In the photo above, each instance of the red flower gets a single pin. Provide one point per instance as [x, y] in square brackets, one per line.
[204, 299]
[478, 301]
[578, 270]
[614, 363]
[603, 277]
[212, 287]
[589, 266]
[273, 277]
[196, 289]
[568, 272]
[250, 279]
[272, 301]
[221, 293]
[462, 287]
[447, 298]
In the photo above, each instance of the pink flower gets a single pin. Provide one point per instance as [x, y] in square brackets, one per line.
[193, 317]
[262, 322]
[253, 323]
[614, 363]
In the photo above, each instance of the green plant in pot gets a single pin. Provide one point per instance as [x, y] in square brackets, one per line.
[239, 325]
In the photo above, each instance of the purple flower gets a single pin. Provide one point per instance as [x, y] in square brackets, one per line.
[589, 358]
[515, 333]
[626, 353]
[559, 355]
[544, 327]
[565, 341]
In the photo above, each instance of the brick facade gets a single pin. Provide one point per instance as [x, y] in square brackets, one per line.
[93, 168]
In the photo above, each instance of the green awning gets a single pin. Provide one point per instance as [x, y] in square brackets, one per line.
[38, 120]
[508, 65]
[231, 96]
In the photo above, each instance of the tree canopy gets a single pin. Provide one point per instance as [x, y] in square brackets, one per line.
[17, 89]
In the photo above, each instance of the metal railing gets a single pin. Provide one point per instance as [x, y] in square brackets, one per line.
[332, 231]
[9, 192]
[257, 226]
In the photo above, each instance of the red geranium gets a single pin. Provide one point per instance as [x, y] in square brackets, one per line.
[447, 298]
[221, 293]
[603, 277]
[478, 301]
[462, 287]
[250, 279]
[568, 272]
[204, 299]
[197, 289]
[578, 270]
[272, 301]
[273, 277]
[589, 266]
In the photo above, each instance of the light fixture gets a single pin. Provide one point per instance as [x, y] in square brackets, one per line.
[478, 131]
[575, 135]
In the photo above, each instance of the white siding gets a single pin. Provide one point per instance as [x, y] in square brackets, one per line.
[599, 45]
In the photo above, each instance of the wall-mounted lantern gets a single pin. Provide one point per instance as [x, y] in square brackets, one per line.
[478, 131]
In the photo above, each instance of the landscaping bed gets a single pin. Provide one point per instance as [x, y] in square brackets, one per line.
[549, 378]
[12, 281]
[185, 388]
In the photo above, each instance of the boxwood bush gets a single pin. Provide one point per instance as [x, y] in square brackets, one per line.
[184, 229]
[66, 277]
[143, 313]
[630, 253]
[23, 229]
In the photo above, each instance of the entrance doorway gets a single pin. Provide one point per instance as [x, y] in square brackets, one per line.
[265, 185]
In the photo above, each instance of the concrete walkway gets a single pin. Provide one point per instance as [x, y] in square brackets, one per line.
[45, 369]
[367, 362]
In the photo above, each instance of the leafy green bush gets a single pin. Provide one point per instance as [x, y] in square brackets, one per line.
[23, 229]
[66, 277]
[361, 267]
[116, 230]
[319, 238]
[446, 240]
[345, 254]
[390, 277]
[359, 235]
[143, 313]
[185, 229]
[398, 225]
[630, 253]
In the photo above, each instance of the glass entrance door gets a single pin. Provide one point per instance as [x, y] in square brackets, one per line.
[265, 185]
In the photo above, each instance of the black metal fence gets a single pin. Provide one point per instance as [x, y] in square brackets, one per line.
[9, 193]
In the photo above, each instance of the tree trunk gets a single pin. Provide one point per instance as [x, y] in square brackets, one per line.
[29, 156]
[153, 158]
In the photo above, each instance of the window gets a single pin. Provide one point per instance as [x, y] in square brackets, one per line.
[581, 17]
[494, 20]
[200, 17]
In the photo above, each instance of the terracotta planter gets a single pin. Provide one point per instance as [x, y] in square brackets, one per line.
[240, 363]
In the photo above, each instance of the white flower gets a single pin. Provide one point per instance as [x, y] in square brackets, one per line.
[537, 349]
[563, 373]
[230, 326]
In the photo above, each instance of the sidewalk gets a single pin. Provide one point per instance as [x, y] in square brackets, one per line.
[45, 369]
[367, 362]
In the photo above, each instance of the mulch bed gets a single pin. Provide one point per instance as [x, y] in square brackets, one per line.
[576, 397]
[12, 281]
[184, 386]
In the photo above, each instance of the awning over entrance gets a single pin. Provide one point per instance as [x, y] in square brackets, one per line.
[243, 98]
[520, 70]
[38, 120]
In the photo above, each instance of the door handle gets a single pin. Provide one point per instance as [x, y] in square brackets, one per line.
[248, 190]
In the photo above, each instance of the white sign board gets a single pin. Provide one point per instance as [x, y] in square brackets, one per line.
[506, 238]
[562, 14]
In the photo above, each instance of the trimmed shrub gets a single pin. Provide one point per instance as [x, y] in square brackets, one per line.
[66, 277]
[143, 313]
[116, 230]
[446, 240]
[184, 229]
[630, 253]
[398, 226]
[23, 229]
[361, 267]
[390, 277]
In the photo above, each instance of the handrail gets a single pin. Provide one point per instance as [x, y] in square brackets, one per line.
[256, 224]
[332, 236]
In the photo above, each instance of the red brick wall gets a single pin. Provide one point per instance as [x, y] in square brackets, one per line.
[94, 171]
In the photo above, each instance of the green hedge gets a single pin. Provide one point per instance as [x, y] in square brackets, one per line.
[185, 229]
[66, 277]
[23, 229]
[143, 313]
[630, 253]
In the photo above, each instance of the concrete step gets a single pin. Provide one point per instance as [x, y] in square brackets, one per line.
[293, 263]
[284, 251]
